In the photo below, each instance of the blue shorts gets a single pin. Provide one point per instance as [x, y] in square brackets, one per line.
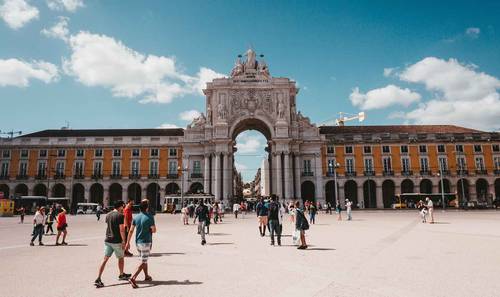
[110, 248]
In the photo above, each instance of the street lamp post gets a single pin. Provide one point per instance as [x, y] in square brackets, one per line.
[182, 183]
[335, 166]
[440, 174]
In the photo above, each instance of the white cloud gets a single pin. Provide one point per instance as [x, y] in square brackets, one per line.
[167, 126]
[189, 115]
[383, 97]
[249, 144]
[69, 5]
[473, 32]
[202, 77]
[14, 72]
[59, 30]
[240, 167]
[464, 96]
[99, 60]
[17, 13]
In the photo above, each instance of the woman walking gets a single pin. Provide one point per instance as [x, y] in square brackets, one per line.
[49, 221]
[301, 225]
[338, 209]
[61, 227]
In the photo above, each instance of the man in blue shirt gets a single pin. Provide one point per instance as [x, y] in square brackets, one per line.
[145, 225]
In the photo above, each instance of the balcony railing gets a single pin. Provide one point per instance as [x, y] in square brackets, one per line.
[4, 177]
[97, 176]
[308, 173]
[369, 173]
[134, 176]
[496, 171]
[425, 172]
[407, 173]
[79, 176]
[59, 176]
[462, 172]
[330, 174]
[41, 176]
[446, 172]
[153, 176]
[388, 173]
[173, 176]
[21, 177]
[481, 171]
[196, 175]
[350, 173]
[115, 176]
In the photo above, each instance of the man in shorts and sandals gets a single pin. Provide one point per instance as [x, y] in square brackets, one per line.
[114, 242]
[145, 225]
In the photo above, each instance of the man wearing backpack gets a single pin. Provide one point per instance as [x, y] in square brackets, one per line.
[274, 220]
[301, 225]
[201, 213]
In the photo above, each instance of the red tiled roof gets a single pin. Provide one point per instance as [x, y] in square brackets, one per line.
[106, 132]
[410, 129]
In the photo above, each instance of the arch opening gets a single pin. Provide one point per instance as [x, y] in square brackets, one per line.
[388, 193]
[97, 193]
[351, 192]
[308, 191]
[370, 194]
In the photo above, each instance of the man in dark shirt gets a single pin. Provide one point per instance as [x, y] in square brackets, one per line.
[274, 220]
[114, 242]
[201, 213]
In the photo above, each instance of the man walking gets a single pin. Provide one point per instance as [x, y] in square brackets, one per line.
[127, 213]
[114, 242]
[348, 205]
[236, 209]
[274, 220]
[201, 213]
[38, 221]
[145, 225]
[430, 209]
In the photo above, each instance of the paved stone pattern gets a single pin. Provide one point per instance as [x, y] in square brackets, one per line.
[379, 253]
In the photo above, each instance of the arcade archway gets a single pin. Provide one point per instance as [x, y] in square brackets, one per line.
[407, 186]
[370, 194]
[351, 192]
[153, 195]
[78, 196]
[463, 190]
[482, 190]
[426, 186]
[134, 193]
[497, 188]
[59, 190]
[388, 192]
[331, 193]
[5, 189]
[172, 189]
[97, 193]
[40, 190]
[307, 191]
[21, 190]
[196, 188]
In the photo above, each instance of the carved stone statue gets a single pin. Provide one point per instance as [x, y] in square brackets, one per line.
[221, 111]
[237, 69]
[199, 121]
[281, 109]
[251, 62]
[263, 70]
[209, 115]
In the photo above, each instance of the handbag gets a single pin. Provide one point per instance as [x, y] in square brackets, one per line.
[296, 237]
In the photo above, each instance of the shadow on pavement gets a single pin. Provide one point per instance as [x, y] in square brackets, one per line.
[168, 283]
[219, 234]
[165, 254]
[220, 243]
[319, 249]
[69, 244]
[443, 223]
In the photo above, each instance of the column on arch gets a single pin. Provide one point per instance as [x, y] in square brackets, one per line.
[206, 174]
[380, 198]
[279, 190]
[288, 181]
[297, 176]
[217, 178]
[225, 175]
[361, 197]
[318, 171]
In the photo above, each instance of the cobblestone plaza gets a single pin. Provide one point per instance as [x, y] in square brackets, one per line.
[379, 253]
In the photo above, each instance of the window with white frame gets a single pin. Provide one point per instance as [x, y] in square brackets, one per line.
[307, 166]
[117, 152]
[98, 168]
[386, 149]
[459, 148]
[443, 163]
[441, 148]
[116, 168]
[79, 168]
[386, 161]
[478, 148]
[6, 154]
[98, 153]
[331, 166]
[61, 153]
[404, 149]
[348, 150]
[60, 168]
[42, 153]
[172, 167]
[368, 164]
[496, 163]
[461, 165]
[197, 167]
[367, 149]
[349, 165]
[24, 153]
[80, 153]
[23, 168]
[422, 148]
[172, 152]
[479, 163]
[154, 152]
[495, 148]
[424, 164]
[41, 170]
[330, 149]
[136, 152]
[4, 169]
[135, 167]
[153, 167]
[405, 164]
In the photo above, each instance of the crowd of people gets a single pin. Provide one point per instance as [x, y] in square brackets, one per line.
[46, 216]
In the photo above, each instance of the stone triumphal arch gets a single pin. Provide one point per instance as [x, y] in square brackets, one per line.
[251, 99]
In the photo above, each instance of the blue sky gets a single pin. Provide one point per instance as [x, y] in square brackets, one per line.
[132, 64]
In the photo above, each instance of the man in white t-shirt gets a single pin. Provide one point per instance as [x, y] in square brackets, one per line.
[348, 205]
[236, 209]
[430, 208]
[38, 221]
